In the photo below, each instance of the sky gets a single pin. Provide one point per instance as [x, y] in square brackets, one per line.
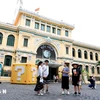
[83, 14]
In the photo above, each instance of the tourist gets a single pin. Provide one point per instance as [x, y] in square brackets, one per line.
[55, 77]
[80, 82]
[65, 79]
[39, 85]
[76, 78]
[45, 75]
[92, 82]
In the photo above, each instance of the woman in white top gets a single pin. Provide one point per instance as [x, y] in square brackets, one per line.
[39, 85]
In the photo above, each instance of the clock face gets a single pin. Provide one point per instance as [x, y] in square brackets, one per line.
[46, 53]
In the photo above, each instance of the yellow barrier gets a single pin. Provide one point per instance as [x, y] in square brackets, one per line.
[24, 73]
[60, 71]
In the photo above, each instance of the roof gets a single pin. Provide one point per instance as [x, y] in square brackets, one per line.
[45, 18]
[85, 45]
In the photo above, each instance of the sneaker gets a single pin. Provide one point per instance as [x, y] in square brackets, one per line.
[79, 93]
[41, 94]
[38, 94]
[63, 92]
[44, 91]
[47, 90]
[75, 93]
[68, 92]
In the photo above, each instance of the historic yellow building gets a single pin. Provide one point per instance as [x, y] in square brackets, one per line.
[33, 37]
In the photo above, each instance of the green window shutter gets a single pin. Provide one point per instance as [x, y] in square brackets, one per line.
[79, 54]
[48, 28]
[24, 60]
[91, 56]
[58, 31]
[87, 68]
[36, 25]
[98, 70]
[92, 70]
[1, 37]
[66, 33]
[85, 55]
[53, 30]
[73, 52]
[42, 27]
[8, 60]
[10, 40]
[25, 42]
[67, 49]
[27, 22]
[96, 57]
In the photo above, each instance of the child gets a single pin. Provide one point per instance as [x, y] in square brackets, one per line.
[76, 78]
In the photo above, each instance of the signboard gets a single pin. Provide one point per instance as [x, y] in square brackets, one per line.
[24, 73]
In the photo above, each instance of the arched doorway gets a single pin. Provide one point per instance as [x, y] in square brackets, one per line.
[46, 51]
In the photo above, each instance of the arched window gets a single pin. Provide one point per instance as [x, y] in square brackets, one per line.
[98, 70]
[10, 40]
[8, 60]
[80, 67]
[46, 52]
[85, 55]
[92, 70]
[79, 53]
[73, 52]
[91, 56]
[87, 68]
[96, 56]
[1, 37]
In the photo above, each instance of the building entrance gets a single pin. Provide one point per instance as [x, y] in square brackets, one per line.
[52, 72]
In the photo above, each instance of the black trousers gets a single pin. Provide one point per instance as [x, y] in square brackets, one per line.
[65, 82]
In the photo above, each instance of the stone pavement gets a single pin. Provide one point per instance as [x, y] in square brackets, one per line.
[26, 92]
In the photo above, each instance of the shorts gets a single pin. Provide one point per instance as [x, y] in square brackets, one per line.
[75, 81]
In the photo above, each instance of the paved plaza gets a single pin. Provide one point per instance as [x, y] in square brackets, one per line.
[26, 92]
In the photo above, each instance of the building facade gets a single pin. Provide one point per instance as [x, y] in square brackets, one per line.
[33, 37]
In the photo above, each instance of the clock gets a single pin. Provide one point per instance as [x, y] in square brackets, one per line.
[46, 54]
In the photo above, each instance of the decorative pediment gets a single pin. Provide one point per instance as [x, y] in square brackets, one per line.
[48, 39]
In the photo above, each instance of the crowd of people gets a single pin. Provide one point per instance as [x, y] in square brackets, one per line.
[42, 79]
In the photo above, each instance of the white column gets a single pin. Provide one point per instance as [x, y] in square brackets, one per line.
[88, 55]
[82, 54]
[32, 23]
[40, 25]
[76, 53]
[56, 30]
[93, 56]
[51, 28]
[46, 27]
[90, 70]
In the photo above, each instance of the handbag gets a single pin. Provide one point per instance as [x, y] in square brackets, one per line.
[41, 80]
